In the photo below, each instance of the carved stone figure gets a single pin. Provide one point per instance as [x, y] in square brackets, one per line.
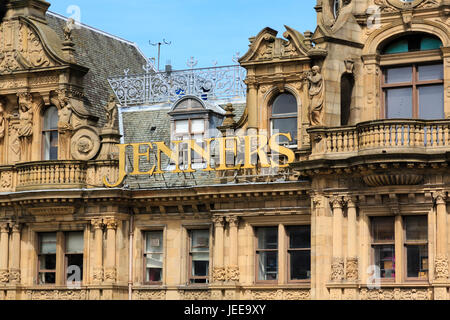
[111, 112]
[65, 115]
[25, 116]
[315, 80]
[68, 28]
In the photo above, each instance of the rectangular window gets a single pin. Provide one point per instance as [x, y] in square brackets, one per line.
[416, 245]
[383, 245]
[199, 256]
[415, 91]
[47, 258]
[267, 253]
[74, 257]
[153, 256]
[299, 252]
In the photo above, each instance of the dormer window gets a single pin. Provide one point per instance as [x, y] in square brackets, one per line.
[50, 134]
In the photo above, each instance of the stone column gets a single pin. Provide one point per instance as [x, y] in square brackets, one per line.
[441, 260]
[219, 269]
[233, 269]
[252, 104]
[4, 246]
[351, 269]
[337, 266]
[110, 260]
[97, 276]
[14, 268]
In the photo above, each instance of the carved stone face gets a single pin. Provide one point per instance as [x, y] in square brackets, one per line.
[84, 145]
[315, 70]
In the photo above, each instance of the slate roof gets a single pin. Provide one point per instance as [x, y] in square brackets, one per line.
[105, 56]
[137, 127]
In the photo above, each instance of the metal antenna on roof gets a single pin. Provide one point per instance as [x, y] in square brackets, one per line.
[159, 44]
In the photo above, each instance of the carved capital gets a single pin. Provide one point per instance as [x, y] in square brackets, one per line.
[16, 227]
[233, 273]
[219, 274]
[440, 197]
[97, 223]
[233, 221]
[351, 269]
[337, 269]
[350, 202]
[336, 202]
[441, 268]
[111, 223]
[218, 221]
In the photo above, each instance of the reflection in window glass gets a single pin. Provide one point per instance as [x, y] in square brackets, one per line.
[153, 256]
[399, 103]
[199, 256]
[416, 244]
[399, 75]
[299, 252]
[267, 253]
[431, 102]
[431, 72]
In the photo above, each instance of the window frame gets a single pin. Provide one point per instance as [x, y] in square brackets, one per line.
[417, 243]
[291, 115]
[289, 249]
[39, 254]
[61, 257]
[195, 158]
[415, 84]
[383, 243]
[257, 254]
[144, 254]
[190, 277]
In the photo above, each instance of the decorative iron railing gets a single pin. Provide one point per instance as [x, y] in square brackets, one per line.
[216, 83]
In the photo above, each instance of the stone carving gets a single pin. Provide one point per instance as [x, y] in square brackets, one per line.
[337, 269]
[111, 223]
[219, 274]
[68, 28]
[57, 294]
[85, 144]
[440, 197]
[25, 132]
[441, 268]
[110, 275]
[65, 115]
[97, 275]
[2, 119]
[218, 221]
[4, 276]
[295, 294]
[14, 276]
[195, 294]
[396, 294]
[6, 180]
[233, 221]
[233, 273]
[316, 95]
[111, 112]
[149, 295]
[351, 269]
[97, 223]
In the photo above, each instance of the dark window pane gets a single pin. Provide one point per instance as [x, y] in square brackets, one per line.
[47, 262]
[267, 238]
[397, 75]
[417, 261]
[300, 265]
[397, 47]
[399, 103]
[385, 260]
[268, 266]
[47, 278]
[75, 266]
[299, 237]
[428, 43]
[416, 228]
[200, 268]
[284, 103]
[383, 228]
[285, 126]
[431, 72]
[154, 275]
[431, 102]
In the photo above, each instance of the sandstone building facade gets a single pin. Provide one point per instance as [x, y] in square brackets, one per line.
[360, 212]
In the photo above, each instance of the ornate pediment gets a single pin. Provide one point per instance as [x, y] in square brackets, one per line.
[266, 46]
[21, 47]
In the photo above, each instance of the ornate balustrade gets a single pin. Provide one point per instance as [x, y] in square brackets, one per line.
[384, 136]
[56, 175]
[214, 83]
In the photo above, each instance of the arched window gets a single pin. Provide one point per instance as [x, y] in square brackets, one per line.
[416, 89]
[284, 117]
[50, 134]
[336, 8]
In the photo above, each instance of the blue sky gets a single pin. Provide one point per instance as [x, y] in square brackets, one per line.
[209, 30]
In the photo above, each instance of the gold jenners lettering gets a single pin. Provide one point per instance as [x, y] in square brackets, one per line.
[254, 146]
